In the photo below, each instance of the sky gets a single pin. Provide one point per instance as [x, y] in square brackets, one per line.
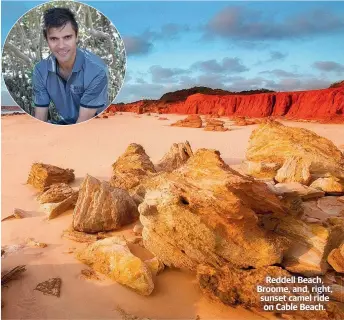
[282, 46]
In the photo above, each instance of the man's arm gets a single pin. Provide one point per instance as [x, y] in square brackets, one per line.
[41, 113]
[86, 114]
[94, 97]
[41, 98]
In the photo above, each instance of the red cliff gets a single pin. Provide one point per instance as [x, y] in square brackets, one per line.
[326, 105]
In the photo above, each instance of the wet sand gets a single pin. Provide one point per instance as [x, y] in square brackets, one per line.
[91, 148]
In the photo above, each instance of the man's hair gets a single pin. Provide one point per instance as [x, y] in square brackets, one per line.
[58, 17]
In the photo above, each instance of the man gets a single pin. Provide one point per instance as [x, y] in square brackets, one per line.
[75, 80]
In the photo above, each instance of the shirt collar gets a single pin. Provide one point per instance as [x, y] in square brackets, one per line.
[79, 61]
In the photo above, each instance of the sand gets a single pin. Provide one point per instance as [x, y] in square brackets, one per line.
[91, 148]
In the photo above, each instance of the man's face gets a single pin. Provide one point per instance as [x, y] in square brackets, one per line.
[62, 43]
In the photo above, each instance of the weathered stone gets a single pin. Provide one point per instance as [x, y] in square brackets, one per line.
[56, 193]
[31, 242]
[155, 265]
[138, 229]
[260, 169]
[50, 287]
[336, 258]
[55, 209]
[101, 207]
[294, 169]
[176, 157]
[215, 125]
[308, 243]
[329, 184]
[191, 121]
[131, 168]
[331, 206]
[311, 212]
[112, 257]
[205, 212]
[43, 175]
[233, 287]
[297, 189]
[274, 142]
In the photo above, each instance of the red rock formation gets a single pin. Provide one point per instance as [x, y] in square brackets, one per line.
[326, 105]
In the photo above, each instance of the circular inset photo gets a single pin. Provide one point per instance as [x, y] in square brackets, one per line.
[63, 62]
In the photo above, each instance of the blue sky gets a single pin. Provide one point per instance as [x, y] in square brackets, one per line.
[236, 46]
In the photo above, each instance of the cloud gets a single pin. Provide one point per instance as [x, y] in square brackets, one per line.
[160, 74]
[276, 56]
[294, 84]
[137, 45]
[167, 31]
[280, 73]
[329, 66]
[244, 24]
[227, 65]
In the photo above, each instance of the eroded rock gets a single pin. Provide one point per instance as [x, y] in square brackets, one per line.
[205, 212]
[260, 169]
[175, 157]
[297, 189]
[131, 168]
[155, 265]
[215, 125]
[307, 252]
[329, 184]
[294, 169]
[112, 257]
[274, 142]
[56, 193]
[101, 207]
[336, 258]
[55, 209]
[43, 175]
[191, 121]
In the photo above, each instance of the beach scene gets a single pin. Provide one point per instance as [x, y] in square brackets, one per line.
[211, 188]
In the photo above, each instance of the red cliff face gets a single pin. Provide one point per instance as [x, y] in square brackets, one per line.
[325, 105]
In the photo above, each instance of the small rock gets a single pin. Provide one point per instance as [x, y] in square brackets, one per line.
[112, 257]
[294, 169]
[329, 184]
[43, 175]
[101, 207]
[31, 242]
[297, 188]
[336, 259]
[55, 209]
[155, 265]
[191, 121]
[331, 206]
[50, 287]
[56, 193]
[138, 229]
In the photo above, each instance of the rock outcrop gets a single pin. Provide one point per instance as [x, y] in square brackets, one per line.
[192, 121]
[205, 212]
[56, 193]
[43, 175]
[308, 243]
[56, 208]
[215, 125]
[273, 142]
[336, 259]
[326, 105]
[178, 154]
[131, 168]
[101, 207]
[329, 184]
[112, 257]
[294, 169]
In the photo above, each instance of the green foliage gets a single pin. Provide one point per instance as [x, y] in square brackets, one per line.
[181, 95]
[337, 84]
[25, 46]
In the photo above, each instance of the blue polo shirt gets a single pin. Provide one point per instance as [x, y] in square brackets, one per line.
[87, 86]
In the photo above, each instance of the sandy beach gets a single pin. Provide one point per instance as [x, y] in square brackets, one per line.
[91, 148]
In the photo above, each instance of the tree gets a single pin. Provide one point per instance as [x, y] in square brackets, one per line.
[25, 46]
